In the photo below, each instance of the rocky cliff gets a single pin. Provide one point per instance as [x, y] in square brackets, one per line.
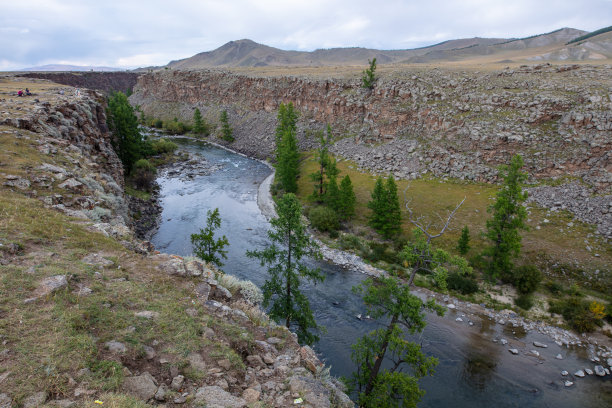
[448, 123]
[101, 81]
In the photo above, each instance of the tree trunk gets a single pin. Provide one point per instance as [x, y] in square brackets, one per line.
[381, 356]
[288, 273]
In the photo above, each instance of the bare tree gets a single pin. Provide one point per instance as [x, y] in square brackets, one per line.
[419, 253]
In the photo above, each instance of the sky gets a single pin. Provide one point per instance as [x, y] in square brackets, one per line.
[129, 34]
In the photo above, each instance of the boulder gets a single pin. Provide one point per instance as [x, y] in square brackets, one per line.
[313, 391]
[513, 351]
[115, 347]
[142, 386]
[177, 382]
[538, 344]
[48, 286]
[35, 400]
[216, 397]
[251, 395]
[599, 371]
[309, 359]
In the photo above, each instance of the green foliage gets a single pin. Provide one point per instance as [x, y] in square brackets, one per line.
[327, 165]
[286, 121]
[204, 243]
[107, 374]
[175, 127]
[287, 154]
[368, 79]
[389, 300]
[577, 313]
[527, 278]
[226, 130]
[332, 196]
[524, 301]
[287, 166]
[421, 256]
[381, 252]
[463, 245]
[591, 34]
[290, 243]
[163, 146]
[508, 218]
[386, 213]
[200, 127]
[464, 284]
[346, 209]
[143, 174]
[323, 218]
[127, 140]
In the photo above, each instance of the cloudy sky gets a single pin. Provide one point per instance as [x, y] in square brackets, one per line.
[126, 33]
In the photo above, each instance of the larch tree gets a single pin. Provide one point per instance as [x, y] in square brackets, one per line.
[347, 199]
[400, 312]
[508, 219]
[206, 247]
[290, 244]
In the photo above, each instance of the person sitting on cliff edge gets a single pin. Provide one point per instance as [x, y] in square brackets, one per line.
[27, 92]
[20, 93]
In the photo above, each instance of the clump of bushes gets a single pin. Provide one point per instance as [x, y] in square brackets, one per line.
[381, 252]
[580, 314]
[175, 127]
[163, 146]
[461, 283]
[524, 301]
[324, 219]
[527, 278]
[143, 174]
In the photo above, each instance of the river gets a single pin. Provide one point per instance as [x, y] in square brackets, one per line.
[474, 371]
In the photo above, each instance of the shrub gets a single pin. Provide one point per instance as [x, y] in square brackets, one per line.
[524, 301]
[527, 278]
[349, 241]
[440, 276]
[323, 218]
[382, 252]
[553, 287]
[578, 313]
[247, 289]
[176, 128]
[461, 283]
[143, 174]
[162, 146]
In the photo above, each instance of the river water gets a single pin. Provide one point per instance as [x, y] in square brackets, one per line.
[473, 371]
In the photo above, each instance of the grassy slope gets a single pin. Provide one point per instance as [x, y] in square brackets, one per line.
[554, 243]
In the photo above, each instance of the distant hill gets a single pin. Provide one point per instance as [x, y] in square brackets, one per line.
[66, 68]
[555, 45]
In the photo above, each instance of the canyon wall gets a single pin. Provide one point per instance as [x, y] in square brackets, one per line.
[101, 81]
[460, 124]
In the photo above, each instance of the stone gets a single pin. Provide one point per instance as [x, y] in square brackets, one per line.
[579, 373]
[35, 400]
[451, 306]
[216, 397]
[503, 342]
[194, 268]
[459, 319]
[142, 386]
[513, 351]
[149, 352]
[538, 344]
[48, 286]
[177, 382]
[588, 371]
[311, 390]
[5, 401]
[115, 347]
[568, 383]
[147, 314]
[559, 357]
[173, 266]
[97, 259]
[160, 394]
[196, 361]
[251, 395]
[599, 371]
[255, 361]
[203, 291]
[564, 373]
[225, 364]
[222, 293]
[534, 353]
[71, 184]
[63, 403]
[309, 359]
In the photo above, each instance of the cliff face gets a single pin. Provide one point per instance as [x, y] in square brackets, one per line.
[449, 123]
[101, 81]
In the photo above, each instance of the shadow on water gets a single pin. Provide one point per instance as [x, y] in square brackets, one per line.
[473, 371]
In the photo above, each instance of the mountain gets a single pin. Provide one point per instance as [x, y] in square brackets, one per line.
[555, 45]
[64, 68]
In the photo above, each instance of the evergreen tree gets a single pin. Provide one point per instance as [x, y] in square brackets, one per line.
[464, 241]
[287, 166]
[326, 165]
[290, 243]
[332, 196]
[378, 205]
[347, 199]
[286, 121]
[204, 243]
[368, 79]
[389, 300]
[226, 129]
[386, 213]
[394, 214]
[123, 123]
[508, 218]
[199, 127]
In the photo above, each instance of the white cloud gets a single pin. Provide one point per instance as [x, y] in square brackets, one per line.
[129, 32]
